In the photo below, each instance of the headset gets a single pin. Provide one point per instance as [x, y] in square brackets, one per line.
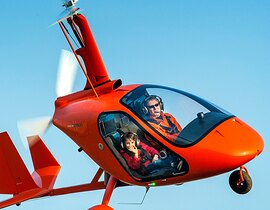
[136, 139]
[145, 109]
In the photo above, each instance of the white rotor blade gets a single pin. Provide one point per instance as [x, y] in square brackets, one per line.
[66, 73]
[70, 10]
[37, 126]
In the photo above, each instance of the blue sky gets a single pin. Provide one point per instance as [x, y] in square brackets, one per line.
[219, 50]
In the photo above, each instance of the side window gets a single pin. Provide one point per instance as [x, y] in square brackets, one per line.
[142, 156]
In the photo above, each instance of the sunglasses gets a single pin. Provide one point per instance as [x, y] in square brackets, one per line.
[153, 106]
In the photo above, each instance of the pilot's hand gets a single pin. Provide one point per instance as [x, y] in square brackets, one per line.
[172, 137]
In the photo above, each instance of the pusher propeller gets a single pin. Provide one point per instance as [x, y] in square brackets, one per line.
[64, 85]
[66, 73]
[32, 127]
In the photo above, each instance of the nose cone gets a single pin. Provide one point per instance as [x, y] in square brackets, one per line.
[230, 145]
[239, 142]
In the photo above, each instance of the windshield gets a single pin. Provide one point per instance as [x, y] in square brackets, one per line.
[179, 117]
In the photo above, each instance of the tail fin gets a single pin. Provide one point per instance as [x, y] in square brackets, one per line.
[15, 178]
[45, 165]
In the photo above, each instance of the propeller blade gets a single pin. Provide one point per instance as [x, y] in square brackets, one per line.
[37, 126]
[66, 73]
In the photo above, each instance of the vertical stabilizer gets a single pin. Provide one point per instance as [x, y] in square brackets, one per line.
[14, 176]
[45, 165]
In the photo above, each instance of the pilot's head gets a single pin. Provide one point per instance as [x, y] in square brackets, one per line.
[153, 106]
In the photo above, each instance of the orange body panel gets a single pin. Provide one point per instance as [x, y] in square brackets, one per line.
[228, 146]
[79, 120]
[45, 165]
[95, 67]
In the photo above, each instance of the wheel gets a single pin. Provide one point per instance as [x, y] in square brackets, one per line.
[238, 186]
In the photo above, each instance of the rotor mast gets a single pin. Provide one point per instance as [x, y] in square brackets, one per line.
[93, 68]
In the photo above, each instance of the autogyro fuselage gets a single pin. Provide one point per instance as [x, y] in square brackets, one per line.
[196, 138]
[211, 142]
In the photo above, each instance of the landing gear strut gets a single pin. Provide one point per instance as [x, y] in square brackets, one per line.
[240, 181]
[107, 195]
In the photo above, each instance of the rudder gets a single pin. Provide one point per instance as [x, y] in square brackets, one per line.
[45, 165]
[14, 177]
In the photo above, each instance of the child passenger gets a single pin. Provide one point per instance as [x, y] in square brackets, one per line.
[141, 157]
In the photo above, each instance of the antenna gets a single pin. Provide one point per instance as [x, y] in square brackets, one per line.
[138, 203]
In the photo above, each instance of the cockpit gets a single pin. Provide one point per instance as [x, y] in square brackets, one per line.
[113, 127]
[181, 119]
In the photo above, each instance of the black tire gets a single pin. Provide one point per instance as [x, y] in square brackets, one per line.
[238, 186]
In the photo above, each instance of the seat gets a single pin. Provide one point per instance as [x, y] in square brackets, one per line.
[116, 138]
[107, 124]
[138, 105]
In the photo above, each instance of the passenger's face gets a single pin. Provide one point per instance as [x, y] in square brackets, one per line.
[129, 144]
[153, 107]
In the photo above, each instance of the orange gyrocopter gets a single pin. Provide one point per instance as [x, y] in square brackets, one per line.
[115, 125]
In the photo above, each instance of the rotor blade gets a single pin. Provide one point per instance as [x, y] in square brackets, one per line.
[66, 73]
[69, 12]
[32, 127]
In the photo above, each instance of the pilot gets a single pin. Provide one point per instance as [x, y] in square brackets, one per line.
[141, 157]
[164, 123]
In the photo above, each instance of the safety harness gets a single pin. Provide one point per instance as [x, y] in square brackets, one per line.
[144, 157]
[172, 129]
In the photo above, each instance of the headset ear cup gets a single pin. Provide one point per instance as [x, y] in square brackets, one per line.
[121, 133]
[144, 106]
[161, 104]
[122, 143]
[137, 140]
